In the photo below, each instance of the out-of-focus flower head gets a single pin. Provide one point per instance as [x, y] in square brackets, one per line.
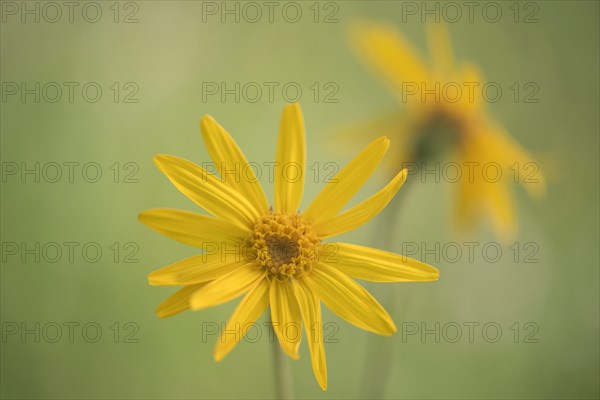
[445, 120]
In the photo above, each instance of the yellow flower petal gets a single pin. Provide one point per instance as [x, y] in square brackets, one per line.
[196, 269]
[440, 48]
[285, 316]
[473, 102]
[499, 202]
[519, 165]
[290, 160]
[377, 265]
[467, 207]
[178, 302]
[227, 287]
[347, 182]
[246, 313]
[191, 228]
[349, 300]
[207, 191]
[361, 213]
[500, 161]
[391, 54]
[228, 159]
[313, 326]
[469, 194]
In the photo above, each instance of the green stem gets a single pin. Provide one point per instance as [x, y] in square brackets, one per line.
[283, 373]
[380, 350]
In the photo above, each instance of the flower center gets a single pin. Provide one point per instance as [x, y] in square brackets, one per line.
[285, 244]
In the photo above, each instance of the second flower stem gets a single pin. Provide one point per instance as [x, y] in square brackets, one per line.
[380, 350]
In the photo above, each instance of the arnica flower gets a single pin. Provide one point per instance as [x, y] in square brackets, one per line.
[275, 256]
[445, 119]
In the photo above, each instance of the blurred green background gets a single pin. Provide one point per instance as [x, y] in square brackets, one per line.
[164, 58]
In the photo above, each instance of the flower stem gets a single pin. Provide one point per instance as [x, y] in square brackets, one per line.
[283, 373]
[380, 350]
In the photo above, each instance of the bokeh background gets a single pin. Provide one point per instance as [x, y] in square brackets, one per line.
[165, 57]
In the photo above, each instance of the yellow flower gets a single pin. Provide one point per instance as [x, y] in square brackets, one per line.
[445, 109]
[275, 256]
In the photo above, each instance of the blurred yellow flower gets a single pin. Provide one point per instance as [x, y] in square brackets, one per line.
[446, 120]
[275, 256]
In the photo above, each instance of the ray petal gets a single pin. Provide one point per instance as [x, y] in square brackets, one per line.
[191, 228]
[178, 302]
[441, 51]
[228, 157]
[290, 160]
[375, 265]
[361, 213]
[349, 300]
[196, 269]
[245, 315]
[207, 191]
[285, 316]
[347, 182]
[310, 308]
[227, 287]
[391, 54]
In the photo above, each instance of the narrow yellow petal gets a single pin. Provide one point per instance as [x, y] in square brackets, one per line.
[501, 162]
[465, 203]
[466, 208]
[377, 265]
[499, 202]
[469, 195]
[229, 159]
[178, 302]
[349, 300]
[361, 213]
[290, 160]
[310, 307]
[472, 101]
[285, 316]
[196, 269]
[391, 54]
[227, 287]
[246, 313]
[207, 191]
[191, 228]
[497, 146]
[441, 51]
[347, 182]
